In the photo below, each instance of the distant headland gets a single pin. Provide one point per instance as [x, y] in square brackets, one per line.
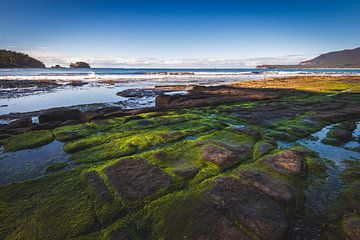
[12, 59]
[349, 58]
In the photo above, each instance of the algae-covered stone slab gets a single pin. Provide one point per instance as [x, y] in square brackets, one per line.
[249, 206]
[99, 186]
[134, 179]
[275, 188]
[27, 140]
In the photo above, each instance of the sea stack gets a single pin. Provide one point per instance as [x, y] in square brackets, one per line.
[79, 65]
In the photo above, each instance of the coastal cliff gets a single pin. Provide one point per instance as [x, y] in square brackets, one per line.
[12, 59]
[349, 58]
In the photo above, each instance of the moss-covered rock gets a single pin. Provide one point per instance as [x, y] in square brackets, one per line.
[27, 140]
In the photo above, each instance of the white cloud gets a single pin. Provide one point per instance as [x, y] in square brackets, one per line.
[51, 57]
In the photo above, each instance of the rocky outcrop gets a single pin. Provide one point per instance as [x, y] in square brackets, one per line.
[11, 59]
[80, 65]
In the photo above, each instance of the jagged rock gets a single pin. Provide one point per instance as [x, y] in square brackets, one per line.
[287, 162]
[60, 114]
[98, 186]
[275, 188]
[247, 205]
[134, 179]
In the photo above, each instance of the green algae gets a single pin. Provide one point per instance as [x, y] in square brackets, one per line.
[27, 140]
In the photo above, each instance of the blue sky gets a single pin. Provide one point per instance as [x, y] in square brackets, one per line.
[134, 33]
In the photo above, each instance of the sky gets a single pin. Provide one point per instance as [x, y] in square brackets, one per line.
[197, 33]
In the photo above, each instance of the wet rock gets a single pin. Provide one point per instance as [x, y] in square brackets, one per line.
[4, 135]
[160, 155]
[250, 132]
[46, 125]
[61, 115]
[70, 122]
[120, 234]
[351, 227]
[171, 120]
[274, 188]
[140, 93]
[20, 123]
[67, 136]
[16, 130]
[287, 162]
[143, 122]
[187, 173]
[261, 149]
[134, 179]
[249, 206]
[99, 187]
[172, 135]
[341, 135]
[220, 156]
[132, 118]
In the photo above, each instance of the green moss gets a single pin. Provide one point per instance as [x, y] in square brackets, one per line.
[54, 207]
[56, 167]
[27, 140]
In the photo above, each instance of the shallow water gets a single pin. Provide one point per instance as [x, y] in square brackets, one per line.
[321, 193]
[28, 164]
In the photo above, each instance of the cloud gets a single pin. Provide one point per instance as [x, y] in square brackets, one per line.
[50, 57]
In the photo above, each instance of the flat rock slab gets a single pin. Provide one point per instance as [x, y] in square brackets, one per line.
[247, 205]
[287, 162]
[99, 186]
[218, 155]
[134, 179]
[275, 188]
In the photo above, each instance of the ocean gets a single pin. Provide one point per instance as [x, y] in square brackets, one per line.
[102, 84]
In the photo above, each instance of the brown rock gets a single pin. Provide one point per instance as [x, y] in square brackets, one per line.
[246, 205]
[187, 173]
[134, 179]
[275, 188]
[20, 123]
[220, 156]
[287, 162]
[61, 115]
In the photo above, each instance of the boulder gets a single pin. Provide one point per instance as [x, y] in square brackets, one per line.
[274, 188]
[341, 135]
[60, 114]
[135, 179]
[287, 162]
